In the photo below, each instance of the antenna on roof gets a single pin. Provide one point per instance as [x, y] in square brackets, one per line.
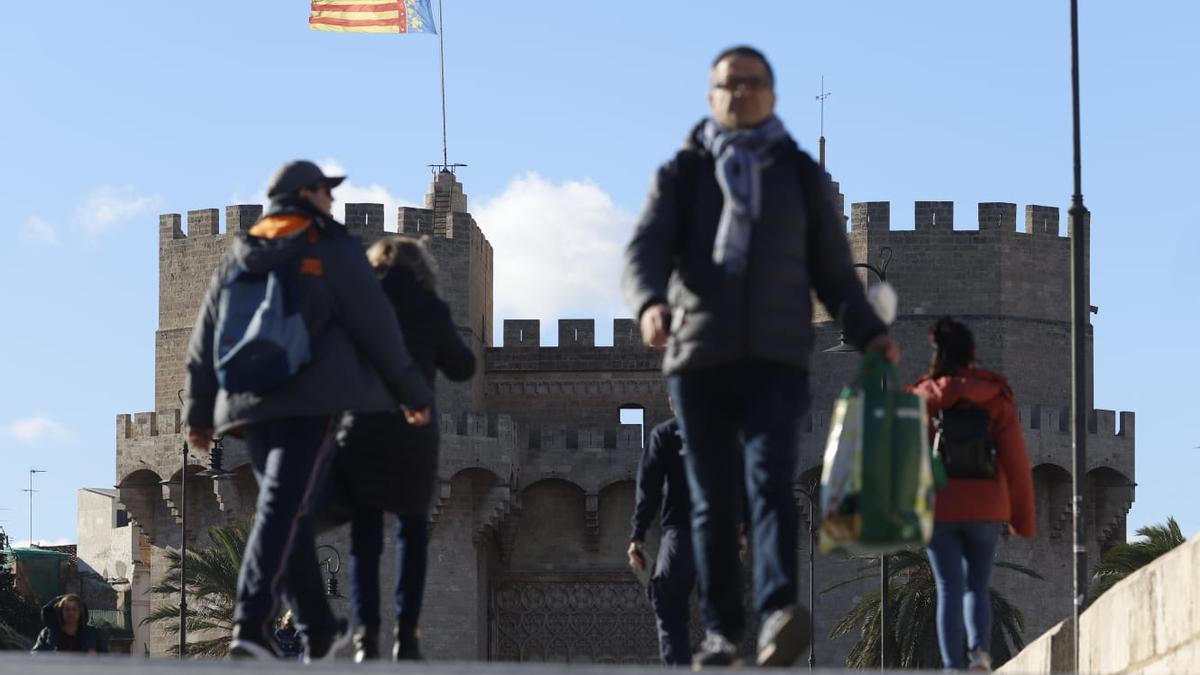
[821, 96]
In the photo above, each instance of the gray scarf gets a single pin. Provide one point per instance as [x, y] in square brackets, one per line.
[740, 155]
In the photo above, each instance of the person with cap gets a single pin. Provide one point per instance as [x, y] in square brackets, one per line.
[358, 361]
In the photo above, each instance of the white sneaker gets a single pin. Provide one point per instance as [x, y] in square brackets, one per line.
[716, 651]
[978, 659]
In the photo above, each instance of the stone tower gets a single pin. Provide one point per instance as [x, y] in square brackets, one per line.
[536, 471]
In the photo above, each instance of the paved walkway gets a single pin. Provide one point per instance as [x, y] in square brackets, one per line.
[20, 664]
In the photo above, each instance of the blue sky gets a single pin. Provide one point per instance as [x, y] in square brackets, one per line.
[562, 111]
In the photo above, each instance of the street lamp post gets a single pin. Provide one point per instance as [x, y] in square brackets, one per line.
[1080, 309]
[885, 254]
[807, 493]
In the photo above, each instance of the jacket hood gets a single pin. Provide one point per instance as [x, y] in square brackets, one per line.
[51, 619]
[975, 385]
[279, 234]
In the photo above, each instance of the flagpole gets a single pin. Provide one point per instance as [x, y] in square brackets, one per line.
[441, 28]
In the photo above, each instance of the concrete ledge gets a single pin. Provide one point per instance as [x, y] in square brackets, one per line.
[1148, 623]
[1053, 652]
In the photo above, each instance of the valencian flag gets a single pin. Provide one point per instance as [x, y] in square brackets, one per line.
[372, 16]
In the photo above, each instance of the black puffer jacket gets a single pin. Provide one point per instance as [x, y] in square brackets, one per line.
[355, 363]
[53, 639]
[383, 462]
[798, 245]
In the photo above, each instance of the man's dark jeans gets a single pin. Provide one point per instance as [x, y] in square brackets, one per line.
[961, 555]
[745, 414]
[670, 593]
[291, 459]
[412, 550]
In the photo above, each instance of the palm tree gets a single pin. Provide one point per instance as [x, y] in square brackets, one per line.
[212, 588]
[913, 615]
[1124, 559]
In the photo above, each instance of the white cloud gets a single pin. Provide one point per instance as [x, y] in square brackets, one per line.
[38, 231]
[557, 250]
[34, 429]
[24, 543]
[108, 205]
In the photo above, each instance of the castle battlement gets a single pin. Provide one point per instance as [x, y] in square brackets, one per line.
[938, 216]
[525, 334]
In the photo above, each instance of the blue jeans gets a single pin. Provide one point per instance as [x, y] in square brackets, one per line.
[291, 459]
[741, 426]
[366, 545]
[961, 555]
[670, 593]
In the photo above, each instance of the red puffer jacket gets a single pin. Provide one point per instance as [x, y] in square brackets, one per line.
[1008, 497]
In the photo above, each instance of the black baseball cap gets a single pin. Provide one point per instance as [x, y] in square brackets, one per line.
[297, 174]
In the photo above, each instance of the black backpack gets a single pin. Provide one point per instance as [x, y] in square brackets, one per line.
[963, 442]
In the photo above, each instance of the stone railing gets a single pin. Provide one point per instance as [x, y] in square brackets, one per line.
[1150, 622]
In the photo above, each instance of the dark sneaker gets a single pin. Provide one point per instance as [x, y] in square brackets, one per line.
[716, 651]
[783, 637]
[407, 647]
[248, 643]
[323, 646]
[366, 643]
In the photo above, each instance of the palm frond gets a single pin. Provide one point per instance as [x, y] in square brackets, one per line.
[1123, 560]
[912, 619]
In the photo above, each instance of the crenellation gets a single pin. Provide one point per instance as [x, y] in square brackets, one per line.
[870, 217]
[365, 221]
[997, 216]
[1103, 422]
[1057, 420]
[169, 226]
[1041, 220]
[522, 333]
[414, 221]
[626, 334]
[240, 218]
[145, 424]
[934, 216]
[203, 223]
[576, 333]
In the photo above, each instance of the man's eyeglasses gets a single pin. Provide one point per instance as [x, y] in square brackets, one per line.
[747, 83]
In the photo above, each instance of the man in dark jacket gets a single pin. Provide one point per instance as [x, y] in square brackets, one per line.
[670, 587]
[738, 230]
[358, 362]
[66, 629]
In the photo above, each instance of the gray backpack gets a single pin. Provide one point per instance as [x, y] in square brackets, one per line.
[261, 340]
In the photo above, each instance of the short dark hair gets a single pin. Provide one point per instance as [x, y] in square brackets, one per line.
[747, 52]
[953, 347]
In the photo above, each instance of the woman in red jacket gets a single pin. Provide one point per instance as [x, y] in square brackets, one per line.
[970, 512]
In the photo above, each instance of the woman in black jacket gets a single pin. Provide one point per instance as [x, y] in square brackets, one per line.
[385, 464]
[66, 628]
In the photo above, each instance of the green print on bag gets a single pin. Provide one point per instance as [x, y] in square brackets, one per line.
[877, 483]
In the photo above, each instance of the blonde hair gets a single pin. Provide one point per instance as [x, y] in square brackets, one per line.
[407, 252]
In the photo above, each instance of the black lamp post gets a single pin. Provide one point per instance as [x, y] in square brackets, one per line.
[885, 254]
[182, 483]
[807, 493]
[332, 564]
[1080, 309]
